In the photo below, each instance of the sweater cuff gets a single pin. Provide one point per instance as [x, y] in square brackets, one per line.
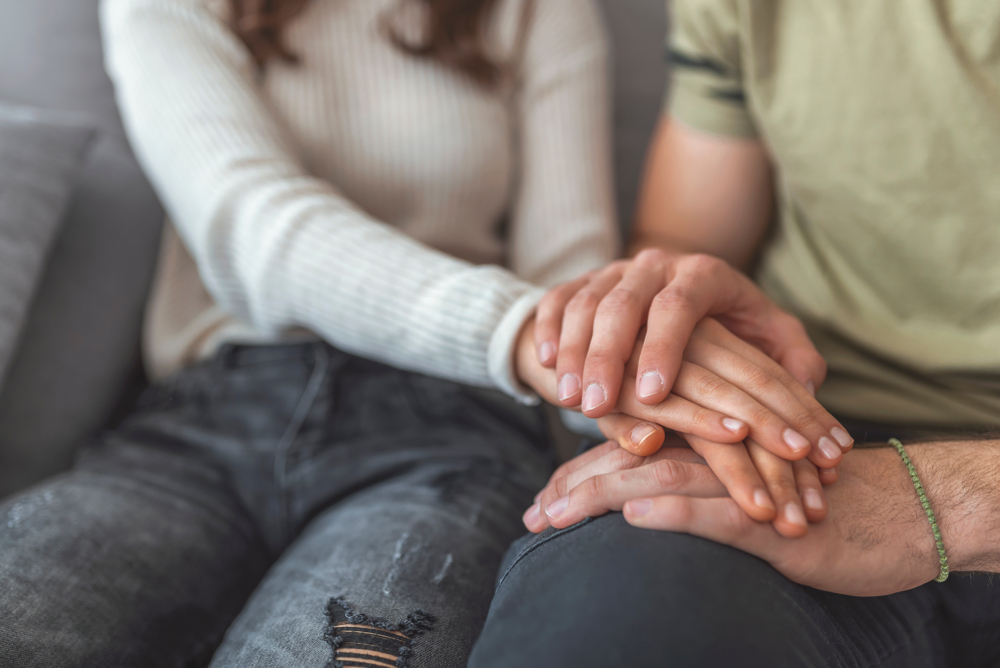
[502, 347]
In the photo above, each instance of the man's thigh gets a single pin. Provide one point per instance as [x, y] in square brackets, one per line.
[137, 558]
[604, 593]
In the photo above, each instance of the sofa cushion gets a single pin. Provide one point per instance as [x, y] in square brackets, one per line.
[81, 335]
[39, 159]
[638, 31]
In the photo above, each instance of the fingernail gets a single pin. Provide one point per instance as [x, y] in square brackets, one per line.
[842, 437]
[569, 385]
[594, 397]
[732, 424]
[795, 515]
[640, 507]
[762, 500]
[650, 383]
[532, 514]
[811, 386]
[557, 507]
[829, 448]
[546, 352]
[641, 432]
[796, 441]
[812, 499]
[832, 470]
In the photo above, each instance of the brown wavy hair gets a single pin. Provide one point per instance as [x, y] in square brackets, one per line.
[453, 34]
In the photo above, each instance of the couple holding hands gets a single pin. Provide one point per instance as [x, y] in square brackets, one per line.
[391, 234]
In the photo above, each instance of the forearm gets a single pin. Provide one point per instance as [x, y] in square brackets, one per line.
[962, 482]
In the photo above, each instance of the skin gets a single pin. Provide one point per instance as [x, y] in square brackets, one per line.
[875, 539]
[789, 497]
[587, 329]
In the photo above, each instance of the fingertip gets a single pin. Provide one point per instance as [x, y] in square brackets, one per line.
[531, 517]
[595, 401]
[843, 438]
[650, 385]
[643, 440]
[828, 476]
[830, 452]
[636, 509]
[569, 389]
[547, 354]
[814, 505]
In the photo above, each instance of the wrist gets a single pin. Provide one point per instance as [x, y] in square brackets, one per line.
[960, 481]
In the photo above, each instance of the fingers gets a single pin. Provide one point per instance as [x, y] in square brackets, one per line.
[684, 416]
[763, 382]
[698, 285]
[779, 476]
[619, 317]
[706, 389]
[616, 460]
[810, 488]
[599, 494]
[549, 317]
[637, 436]
[828, 476]
[576, 333]
[789, 344]
[580, 461]
[710, 331]
[736, 471]
[717, 519]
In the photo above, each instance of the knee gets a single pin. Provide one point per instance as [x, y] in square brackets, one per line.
[606, 593]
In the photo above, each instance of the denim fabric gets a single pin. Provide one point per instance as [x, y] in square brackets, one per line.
[603, 593]
[294, 489]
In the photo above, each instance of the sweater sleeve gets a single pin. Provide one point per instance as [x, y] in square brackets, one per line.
[276, 246]
[564, 221]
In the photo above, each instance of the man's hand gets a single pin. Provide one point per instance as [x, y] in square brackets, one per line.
[876, 539]
[586, 329]
[605, 477]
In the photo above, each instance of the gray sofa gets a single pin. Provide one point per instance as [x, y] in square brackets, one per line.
[77, 363]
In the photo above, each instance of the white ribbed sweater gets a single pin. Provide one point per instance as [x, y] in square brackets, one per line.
[359, 196]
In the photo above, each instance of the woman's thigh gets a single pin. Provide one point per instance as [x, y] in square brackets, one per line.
[604, 593]
[136, 558]
[400, 574]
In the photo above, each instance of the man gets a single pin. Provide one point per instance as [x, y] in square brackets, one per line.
[877, 125]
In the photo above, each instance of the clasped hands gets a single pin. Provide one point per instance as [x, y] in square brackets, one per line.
[686, 343]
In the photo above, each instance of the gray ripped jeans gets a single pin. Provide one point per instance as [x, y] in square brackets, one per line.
[268, 508]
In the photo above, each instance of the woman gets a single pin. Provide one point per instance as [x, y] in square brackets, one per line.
[336, 173]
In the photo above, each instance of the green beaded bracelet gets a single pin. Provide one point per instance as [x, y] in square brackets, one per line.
[894, 442]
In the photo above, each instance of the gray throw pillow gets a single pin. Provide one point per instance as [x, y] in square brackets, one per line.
[40, 156]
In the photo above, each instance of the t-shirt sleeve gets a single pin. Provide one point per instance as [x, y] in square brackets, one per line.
[707, 81]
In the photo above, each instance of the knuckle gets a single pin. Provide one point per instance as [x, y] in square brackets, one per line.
[702, 264]
[588, 490]
[669, 473]
[738, 521]
[648, 255]
[619, 301]
[600, 361]
[677, 296]
[758, 379]
[702, 417]
[622, 459]
[711, 387]
[584, 300]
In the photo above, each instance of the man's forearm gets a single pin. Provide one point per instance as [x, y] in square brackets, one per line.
[962, 482]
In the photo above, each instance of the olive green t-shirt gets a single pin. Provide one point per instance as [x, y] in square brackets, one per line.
[883, 120]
